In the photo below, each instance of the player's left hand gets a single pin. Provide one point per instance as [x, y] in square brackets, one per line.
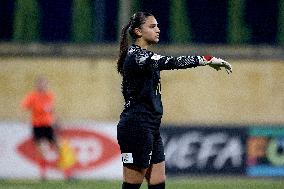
[217, 63]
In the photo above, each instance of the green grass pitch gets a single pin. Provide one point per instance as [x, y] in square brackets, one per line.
[172, 183]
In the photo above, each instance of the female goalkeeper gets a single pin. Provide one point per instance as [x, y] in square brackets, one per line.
[138, 132]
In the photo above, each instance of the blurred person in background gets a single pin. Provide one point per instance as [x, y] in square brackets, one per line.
[138, 132]
[40, 103]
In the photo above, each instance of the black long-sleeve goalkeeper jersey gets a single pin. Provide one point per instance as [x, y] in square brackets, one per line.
[141, 83]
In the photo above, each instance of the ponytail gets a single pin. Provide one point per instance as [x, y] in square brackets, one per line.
[135, 22]
[123, 48]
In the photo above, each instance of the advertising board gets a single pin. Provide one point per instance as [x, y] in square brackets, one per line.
[265, 151]
[94, 144]
[204, 150]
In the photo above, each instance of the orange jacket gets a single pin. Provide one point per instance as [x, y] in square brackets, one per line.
[41, 107]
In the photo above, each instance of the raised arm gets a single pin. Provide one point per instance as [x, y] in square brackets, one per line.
[160, 62]
[170, 62]
[183, 62]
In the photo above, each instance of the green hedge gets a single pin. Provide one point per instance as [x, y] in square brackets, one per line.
[135, 6]
[26, 21]
[237, 31]
[82, 25]
[180, 28]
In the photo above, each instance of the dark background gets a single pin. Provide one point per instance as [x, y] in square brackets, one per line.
[208, 19]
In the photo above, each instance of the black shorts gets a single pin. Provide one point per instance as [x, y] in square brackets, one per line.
[140, 146]
[43, 133]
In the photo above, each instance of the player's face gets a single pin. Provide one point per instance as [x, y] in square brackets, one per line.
[150, 31]
[42, 85]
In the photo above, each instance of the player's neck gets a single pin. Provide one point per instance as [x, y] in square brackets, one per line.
[42, 91]
[141, 43]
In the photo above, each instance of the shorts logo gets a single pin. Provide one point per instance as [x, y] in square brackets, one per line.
[150, 156]
[127, 158]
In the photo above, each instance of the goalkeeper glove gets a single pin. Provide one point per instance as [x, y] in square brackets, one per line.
[216, 63]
